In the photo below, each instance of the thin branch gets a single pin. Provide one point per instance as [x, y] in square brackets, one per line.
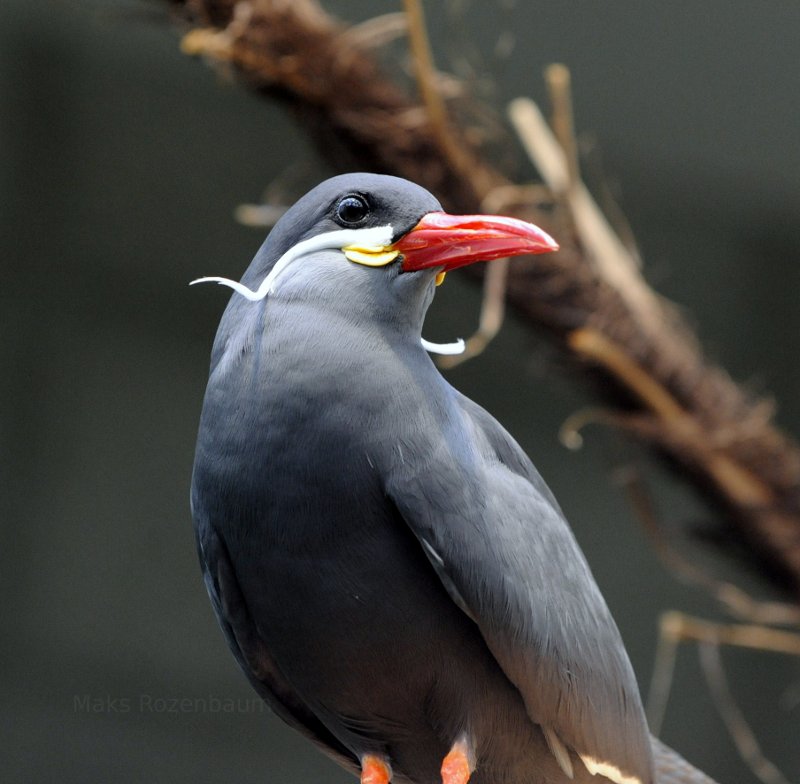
[603, 247]
[595, 346]
[738, 482]
[446, 135]
[732, 598]
[679, 626]
[743, 737]
[674, 628]
[559, 84]
[491, 316]
[661, 679]
[378, 31]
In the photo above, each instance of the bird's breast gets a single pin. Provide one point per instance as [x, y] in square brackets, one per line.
[302, 422]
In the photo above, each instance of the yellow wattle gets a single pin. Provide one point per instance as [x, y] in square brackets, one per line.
[370, 256]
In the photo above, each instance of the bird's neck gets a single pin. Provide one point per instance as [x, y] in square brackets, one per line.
[287, 348]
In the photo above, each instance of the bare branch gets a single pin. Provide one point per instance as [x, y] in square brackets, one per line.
[559, 84]
[661, 679]
[760, 638]
[675, 628]
[602, 246]
[491, 318]
[743, 737]
[733, 599]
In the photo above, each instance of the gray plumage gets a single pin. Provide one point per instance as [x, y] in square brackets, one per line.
[389, 569]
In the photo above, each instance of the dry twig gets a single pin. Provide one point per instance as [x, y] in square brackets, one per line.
[743, 737]
[736, 602]
[675, 628]
[559, 84]
[491, 316]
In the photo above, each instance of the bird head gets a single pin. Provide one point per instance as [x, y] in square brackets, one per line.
[368, 240]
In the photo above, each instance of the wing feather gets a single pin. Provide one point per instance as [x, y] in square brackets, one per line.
[507, 556]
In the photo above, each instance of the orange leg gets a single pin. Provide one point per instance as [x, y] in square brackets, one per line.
[457, 766]
[374, 770]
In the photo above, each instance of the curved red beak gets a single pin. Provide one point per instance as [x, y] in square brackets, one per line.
[450, 241]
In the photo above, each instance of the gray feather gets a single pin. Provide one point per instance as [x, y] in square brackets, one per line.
[479, 503]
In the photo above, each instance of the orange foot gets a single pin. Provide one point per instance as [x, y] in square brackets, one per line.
[374, 770]
[456, 766]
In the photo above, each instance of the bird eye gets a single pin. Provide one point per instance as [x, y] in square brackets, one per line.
[352, 209]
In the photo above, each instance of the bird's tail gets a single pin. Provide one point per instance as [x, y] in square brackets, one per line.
[671, 768]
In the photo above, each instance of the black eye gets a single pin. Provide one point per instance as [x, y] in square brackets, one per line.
[352, 209]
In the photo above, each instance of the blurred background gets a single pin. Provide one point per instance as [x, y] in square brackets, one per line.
[122, 163]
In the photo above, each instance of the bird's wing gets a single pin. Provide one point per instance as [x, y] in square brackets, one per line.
[502, 548]
[251, 653]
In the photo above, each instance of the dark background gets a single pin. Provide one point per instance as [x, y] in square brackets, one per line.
[122, 162]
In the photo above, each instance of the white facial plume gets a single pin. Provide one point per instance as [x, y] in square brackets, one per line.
[378, 236]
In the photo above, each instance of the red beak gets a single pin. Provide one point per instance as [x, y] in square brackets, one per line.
[450, 241]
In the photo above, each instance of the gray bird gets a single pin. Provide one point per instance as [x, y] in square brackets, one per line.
[388, 567]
